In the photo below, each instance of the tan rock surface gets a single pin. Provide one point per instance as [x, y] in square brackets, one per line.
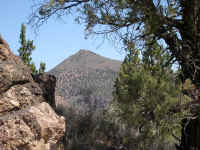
[32, 127]
[27, 121]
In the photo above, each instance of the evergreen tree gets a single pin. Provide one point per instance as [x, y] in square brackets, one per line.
[26, 48]
[145, 95]
[42, 67]
[25, 52]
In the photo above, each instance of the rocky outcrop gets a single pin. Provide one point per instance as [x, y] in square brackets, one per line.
[47, 83]
[27, 121]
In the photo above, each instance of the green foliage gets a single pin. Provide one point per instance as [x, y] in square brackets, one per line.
[42, 67]
[145, 94]
[26, 47]
[25, 52]
[33, 68]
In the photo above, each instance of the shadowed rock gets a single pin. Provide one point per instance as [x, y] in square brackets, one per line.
[47, 83]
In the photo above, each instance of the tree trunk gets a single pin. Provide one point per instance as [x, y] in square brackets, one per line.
[189, 59]
[190, 135]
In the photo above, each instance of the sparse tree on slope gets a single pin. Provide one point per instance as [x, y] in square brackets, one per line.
[25, 52]
[26, 49]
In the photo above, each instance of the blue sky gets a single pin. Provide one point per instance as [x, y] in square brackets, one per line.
[56, 40]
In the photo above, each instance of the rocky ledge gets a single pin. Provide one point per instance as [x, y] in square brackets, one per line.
[27, 118]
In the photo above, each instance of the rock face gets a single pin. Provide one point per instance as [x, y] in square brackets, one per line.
[47, 83]
[27, 121]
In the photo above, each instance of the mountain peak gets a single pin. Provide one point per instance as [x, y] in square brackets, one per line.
[83, 71]
[84, 59]
[84, 52]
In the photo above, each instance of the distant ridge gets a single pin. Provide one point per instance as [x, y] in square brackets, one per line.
[87, 59]
[86, 77]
